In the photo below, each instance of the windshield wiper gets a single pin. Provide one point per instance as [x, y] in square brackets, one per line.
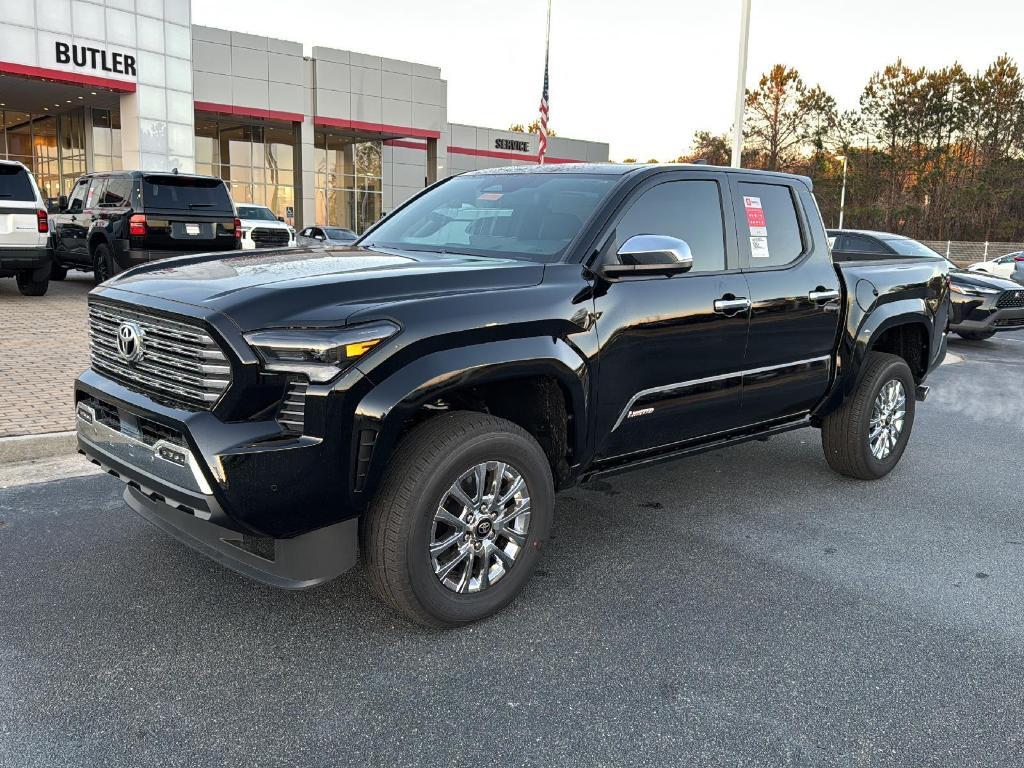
[200, 205]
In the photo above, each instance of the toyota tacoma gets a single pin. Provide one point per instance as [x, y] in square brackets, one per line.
[417, 400]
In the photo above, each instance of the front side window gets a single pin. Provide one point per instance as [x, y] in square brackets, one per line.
[687, 210]
[771, 223]
[515, 215]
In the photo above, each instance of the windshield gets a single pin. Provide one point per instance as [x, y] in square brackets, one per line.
[185, 193]
[340, 234]
[912, 248]
[15, 184]
[256, 212]
[530, 216]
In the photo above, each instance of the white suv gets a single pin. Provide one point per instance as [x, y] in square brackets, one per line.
[24, 230]
[262, 229]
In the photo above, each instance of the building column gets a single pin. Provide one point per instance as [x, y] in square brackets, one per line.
[431, 161]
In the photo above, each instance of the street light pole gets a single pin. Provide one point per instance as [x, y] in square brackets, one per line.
[741, 85]
[842, 194]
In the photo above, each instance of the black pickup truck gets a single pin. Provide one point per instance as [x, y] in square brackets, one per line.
[419, 398]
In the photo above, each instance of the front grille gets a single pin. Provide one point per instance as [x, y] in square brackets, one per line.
[1009, 299]
[267, 238]
[181, 365]
[292, 413]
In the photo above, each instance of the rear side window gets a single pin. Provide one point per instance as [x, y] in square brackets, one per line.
[689, 210]
[15, 184]
[183, 193]
[116, 193]
[770, 218]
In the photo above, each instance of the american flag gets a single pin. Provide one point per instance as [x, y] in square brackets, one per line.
[542, 130]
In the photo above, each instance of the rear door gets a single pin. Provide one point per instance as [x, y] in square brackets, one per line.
[19, 227]
[70, 227]
[671, 348]
[795, 297]
[186, 213]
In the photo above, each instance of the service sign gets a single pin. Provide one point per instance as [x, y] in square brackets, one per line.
[514, 144]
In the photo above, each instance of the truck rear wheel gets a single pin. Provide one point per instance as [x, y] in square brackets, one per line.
[34, 283]
[102, 264]
[456, 527]
[867, 435]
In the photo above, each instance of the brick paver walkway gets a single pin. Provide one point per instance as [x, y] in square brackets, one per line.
[44, 345]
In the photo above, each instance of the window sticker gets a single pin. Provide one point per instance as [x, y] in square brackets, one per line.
[759, 248]
[755, 217]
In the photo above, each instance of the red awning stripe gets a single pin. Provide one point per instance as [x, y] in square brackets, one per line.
[68, 78]
[264, 114]
[509, 155]
[406, 144]
[357, 125]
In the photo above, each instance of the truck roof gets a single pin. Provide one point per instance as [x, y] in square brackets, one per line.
[623, 169]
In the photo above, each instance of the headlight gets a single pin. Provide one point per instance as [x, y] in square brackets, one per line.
[972, 290]
[318, 354]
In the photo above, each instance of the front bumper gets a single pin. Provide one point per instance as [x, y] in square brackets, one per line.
[276, 507]
[986, 318]
[24, 259]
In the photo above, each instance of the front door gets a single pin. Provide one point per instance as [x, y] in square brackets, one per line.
[671, 348]
[795, 296]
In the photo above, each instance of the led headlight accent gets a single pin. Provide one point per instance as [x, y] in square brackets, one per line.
[972, 290]
[318, 353]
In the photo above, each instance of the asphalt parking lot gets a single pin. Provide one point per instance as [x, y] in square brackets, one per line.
[746, 607]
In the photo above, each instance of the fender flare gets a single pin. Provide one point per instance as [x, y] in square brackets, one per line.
[857, 346]
[389, 403]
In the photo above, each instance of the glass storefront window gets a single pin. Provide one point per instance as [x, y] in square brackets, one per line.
[106, 140]
[52, 147]
[257, 162]
[348, 180]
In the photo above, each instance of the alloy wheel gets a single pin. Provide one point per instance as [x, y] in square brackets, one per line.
[480, 527]
[887, 418]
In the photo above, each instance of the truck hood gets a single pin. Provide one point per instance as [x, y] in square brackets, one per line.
[253, 223]
[297, 287]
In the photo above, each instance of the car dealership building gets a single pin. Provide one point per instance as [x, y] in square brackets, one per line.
[336, 138]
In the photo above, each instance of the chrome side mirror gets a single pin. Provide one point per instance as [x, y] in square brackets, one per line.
[643, 255]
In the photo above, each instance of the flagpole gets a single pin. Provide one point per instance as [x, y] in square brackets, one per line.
[741, 85]
[547, 50]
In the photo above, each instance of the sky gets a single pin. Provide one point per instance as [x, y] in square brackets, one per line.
[643, 75]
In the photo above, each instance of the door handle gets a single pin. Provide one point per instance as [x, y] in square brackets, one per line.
[732, 306]
[820, 297]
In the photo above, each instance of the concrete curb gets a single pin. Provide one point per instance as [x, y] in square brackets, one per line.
[31, 447]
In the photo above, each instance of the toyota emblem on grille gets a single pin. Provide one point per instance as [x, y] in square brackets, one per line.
[129, 341]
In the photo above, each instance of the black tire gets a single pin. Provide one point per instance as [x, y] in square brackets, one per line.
[34, 283]
[845, 431]
[975, 335]
[395, 532]
[102, 264]
[57, 272]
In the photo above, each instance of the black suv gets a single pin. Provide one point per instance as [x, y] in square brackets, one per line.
[113, 221]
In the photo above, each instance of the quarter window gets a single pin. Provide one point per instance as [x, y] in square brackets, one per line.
[861, 244]
[770, 221]
[77, 199]
[689, 210]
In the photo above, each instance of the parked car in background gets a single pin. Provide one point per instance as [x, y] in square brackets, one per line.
[327, 236]
[24, 230]
[113, 221]
[1018, 271]
[982, 304]
[503, 335]
[262, 229]
[1002, 266]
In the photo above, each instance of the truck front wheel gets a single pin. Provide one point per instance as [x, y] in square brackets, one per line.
[867, 435]
[457, 525]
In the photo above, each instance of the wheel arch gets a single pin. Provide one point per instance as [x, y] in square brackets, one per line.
[520, 376]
